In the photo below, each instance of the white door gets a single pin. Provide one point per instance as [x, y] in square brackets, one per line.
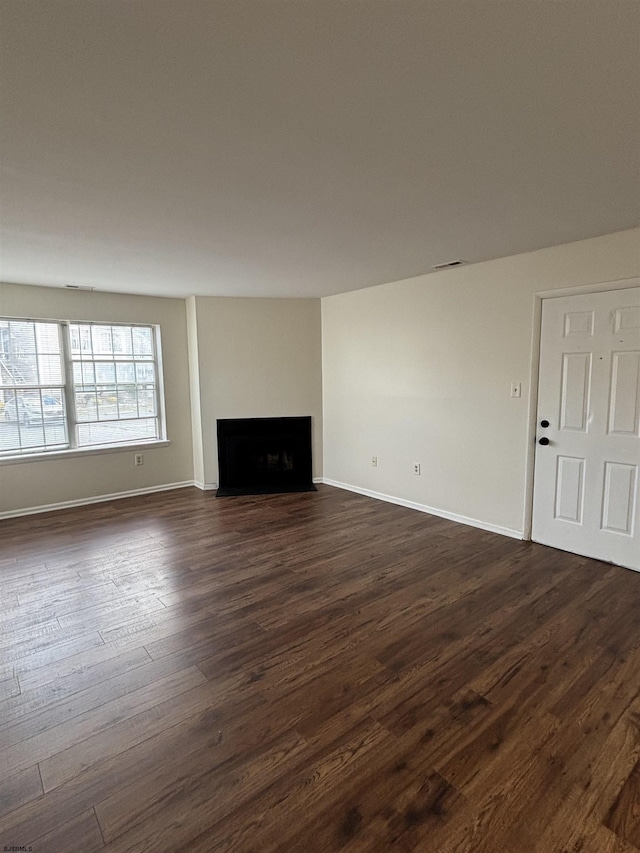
[586, 482]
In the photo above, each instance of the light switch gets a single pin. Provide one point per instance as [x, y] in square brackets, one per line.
[516, 389]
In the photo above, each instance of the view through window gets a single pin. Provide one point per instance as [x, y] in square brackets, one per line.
[107, 395]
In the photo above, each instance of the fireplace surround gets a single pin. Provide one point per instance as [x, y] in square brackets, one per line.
[264, 455]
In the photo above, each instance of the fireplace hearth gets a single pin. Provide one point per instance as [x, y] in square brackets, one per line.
[264, 455]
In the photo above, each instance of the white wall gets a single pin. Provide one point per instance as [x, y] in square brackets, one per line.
[47, 481]
[255, 358]
[420, 371]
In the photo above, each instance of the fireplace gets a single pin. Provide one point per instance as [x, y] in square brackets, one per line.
[264, 455]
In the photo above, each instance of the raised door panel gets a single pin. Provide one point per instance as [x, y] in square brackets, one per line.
[624, 408]
[569, 489]
[619, 497]
[575, 391]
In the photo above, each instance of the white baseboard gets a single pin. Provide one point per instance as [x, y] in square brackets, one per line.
[431, 510]
[33, 510]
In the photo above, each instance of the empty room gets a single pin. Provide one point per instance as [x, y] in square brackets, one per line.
[320, 426]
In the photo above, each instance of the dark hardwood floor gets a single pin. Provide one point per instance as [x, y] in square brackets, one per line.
[311, 672]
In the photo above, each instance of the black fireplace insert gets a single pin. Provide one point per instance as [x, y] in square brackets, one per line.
[264, 455]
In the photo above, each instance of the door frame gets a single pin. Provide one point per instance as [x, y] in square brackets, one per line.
[538, 297]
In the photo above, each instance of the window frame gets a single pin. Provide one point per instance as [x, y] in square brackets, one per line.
[40, 388]
[72, 447]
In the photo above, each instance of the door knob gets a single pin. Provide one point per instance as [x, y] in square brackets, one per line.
[544, 441]
[544, 424]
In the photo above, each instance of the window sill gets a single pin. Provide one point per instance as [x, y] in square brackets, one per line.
[83, 451]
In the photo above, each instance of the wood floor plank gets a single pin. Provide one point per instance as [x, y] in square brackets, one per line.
[179, 732]
[193, 810]
[80, 833]
[263, 821]
[41, 654]
[624, 816]
[598, 839]
[19, 789]
[218, 749]
[80, 667]
[155, 676]
[70, 747]
[387, 811]
[45, 746]
[311, 672]
[574, 775]
[9, 685]
[51, 695]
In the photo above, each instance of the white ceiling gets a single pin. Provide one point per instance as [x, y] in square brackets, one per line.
[308, 147]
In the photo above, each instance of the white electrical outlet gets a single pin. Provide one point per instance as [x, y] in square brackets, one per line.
[374, 461]
[416, 469]
[138, 459]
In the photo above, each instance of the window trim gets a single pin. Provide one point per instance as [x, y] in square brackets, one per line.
[13, 457]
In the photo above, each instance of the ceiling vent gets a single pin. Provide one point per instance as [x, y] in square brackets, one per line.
[449, 264]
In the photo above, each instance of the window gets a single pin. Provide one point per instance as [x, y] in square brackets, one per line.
[77, 385]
